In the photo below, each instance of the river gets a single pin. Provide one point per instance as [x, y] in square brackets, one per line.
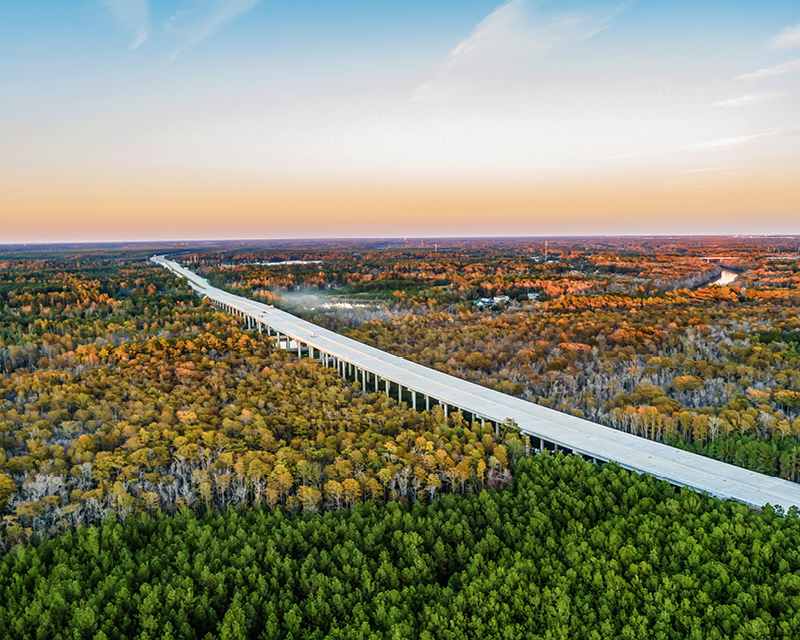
[726, 277]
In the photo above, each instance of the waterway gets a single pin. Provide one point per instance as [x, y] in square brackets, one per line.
[724, 278]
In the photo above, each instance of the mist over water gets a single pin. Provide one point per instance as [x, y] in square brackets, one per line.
[347, 311]
[312, 302]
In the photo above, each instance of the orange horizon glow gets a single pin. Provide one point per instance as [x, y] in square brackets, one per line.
[149, 210]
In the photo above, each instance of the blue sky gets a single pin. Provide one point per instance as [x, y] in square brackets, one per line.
[391, 92]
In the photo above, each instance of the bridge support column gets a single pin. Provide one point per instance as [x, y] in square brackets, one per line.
[299, 349]
[444, 408]
[364, 380]
[377, 383]
[427, 403]
[414, 400]
[387, 388]
[399, 392]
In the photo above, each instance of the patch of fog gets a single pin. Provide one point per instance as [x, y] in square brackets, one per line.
[348, 312]
[312, 301]
[346, 305]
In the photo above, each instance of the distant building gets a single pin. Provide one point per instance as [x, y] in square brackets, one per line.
[491, 303]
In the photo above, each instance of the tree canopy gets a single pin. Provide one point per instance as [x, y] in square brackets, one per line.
[572, 550]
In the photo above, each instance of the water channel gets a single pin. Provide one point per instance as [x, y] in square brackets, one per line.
[726, 277]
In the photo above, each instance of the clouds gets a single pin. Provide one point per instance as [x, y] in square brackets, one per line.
[783, 113]
[523, 89]
[726, 143]
[134, 15]
[516, 29]
[777, 70]
[200, 20]
[509, 39]
[787, 38]
[749, 99]
[190, 24]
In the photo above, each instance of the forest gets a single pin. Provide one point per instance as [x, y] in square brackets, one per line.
[571, 550]
[165, 473]
[123, 393]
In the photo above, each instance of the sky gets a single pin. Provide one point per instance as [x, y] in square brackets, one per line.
[211, 119]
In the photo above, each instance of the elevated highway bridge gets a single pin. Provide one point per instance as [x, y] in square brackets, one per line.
[422, 387]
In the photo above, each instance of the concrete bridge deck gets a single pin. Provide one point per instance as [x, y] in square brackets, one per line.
[421, 386]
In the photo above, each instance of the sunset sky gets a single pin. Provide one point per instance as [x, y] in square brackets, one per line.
[205, 119]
